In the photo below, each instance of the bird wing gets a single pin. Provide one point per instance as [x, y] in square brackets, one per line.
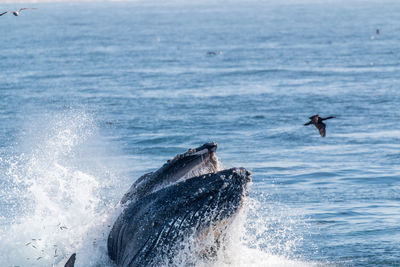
[1, 14]
[25, 8]
[308, 123]
[321, 128]
[327, 118]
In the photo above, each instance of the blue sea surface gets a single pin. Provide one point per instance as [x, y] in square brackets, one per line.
[93, 95]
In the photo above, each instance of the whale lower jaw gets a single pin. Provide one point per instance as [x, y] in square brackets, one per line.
[153, 230]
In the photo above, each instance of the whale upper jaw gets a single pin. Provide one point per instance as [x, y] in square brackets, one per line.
[152, 229]
[183, 166]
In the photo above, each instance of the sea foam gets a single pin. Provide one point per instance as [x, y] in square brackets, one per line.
[56, 178]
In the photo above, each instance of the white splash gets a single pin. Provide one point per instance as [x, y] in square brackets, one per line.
[58, 182]
[249, 242]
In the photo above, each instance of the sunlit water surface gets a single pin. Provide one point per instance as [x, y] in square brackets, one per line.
[94, 95]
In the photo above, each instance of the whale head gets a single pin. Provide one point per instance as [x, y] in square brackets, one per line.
[152, 230]
[194, 162]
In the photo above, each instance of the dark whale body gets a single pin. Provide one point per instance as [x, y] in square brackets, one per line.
[150, 231]
[187, 199]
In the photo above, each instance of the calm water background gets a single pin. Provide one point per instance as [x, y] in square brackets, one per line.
[103, 92]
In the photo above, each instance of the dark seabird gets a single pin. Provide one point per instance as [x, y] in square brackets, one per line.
[317, 121]
[16, 12]
[213, 53]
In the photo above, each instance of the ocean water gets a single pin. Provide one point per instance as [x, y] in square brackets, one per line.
[93, 95]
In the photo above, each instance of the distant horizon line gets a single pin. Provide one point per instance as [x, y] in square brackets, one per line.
[194, 1]
[58, 1]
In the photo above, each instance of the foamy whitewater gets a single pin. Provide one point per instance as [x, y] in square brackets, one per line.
[58, 185]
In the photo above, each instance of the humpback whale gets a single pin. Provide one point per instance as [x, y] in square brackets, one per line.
[184, 202]
[152, 230]
[185, 199]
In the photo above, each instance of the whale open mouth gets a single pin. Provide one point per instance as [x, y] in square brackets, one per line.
[194, 162]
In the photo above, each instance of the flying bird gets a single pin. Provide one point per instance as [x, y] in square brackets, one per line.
[317, 121]
[16, 12]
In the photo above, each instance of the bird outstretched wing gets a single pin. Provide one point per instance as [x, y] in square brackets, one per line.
[25, 8]
[1, 14]
[327, 118]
